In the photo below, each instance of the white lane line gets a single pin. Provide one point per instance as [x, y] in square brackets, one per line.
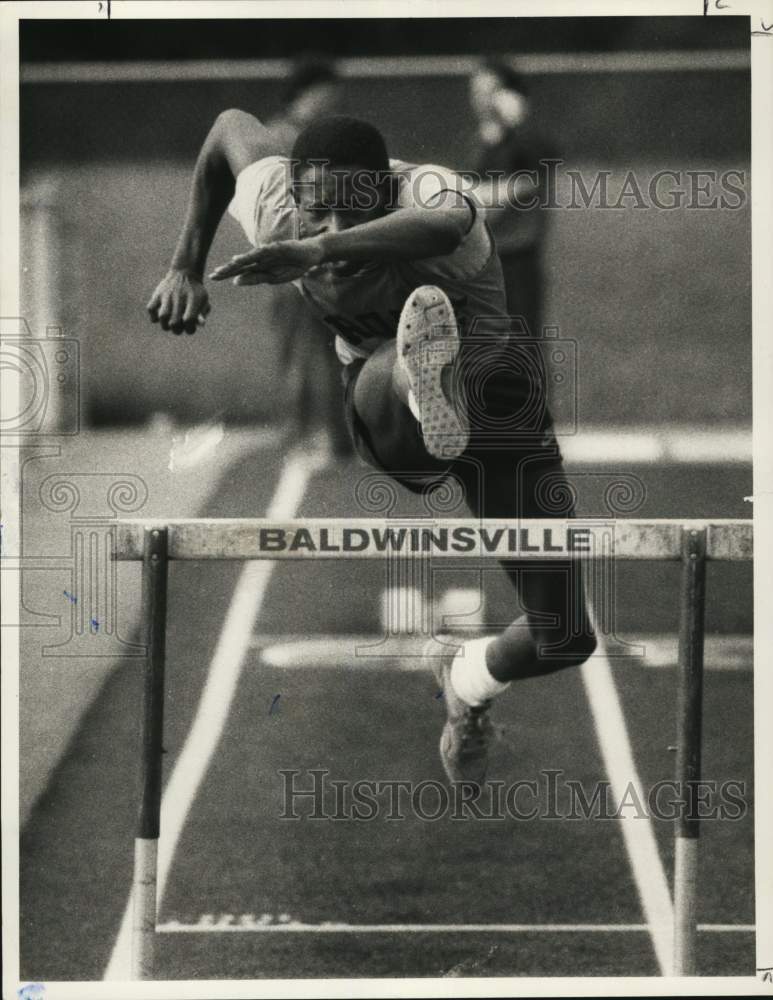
[612, 445]
[720, 652]
[724, 445]
[332, 927]
[217, 695]
[339, 651]
[699, 445]
[638, 833]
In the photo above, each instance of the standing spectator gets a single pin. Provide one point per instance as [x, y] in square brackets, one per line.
[311, 91]
[510, 144]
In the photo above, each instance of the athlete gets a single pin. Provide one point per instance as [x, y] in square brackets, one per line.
[396, 260]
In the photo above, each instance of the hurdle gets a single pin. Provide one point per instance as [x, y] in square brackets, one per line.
[692, 543]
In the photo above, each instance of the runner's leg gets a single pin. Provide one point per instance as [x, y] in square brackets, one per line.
[553, 630]
[386, 432]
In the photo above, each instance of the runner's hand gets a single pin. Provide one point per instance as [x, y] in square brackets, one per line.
[272, 264]
[180, 302]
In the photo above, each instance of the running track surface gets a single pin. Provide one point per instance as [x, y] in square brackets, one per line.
[236, 860]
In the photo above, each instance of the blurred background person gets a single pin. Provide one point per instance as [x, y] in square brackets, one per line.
[313, 90]
[510, 143]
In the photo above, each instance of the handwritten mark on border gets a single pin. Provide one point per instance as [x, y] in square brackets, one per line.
[31, 991]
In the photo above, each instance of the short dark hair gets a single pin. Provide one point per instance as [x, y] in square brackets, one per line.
[306, 73]
[507, 75]
[340, 141]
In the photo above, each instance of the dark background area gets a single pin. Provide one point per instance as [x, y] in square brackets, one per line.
[252, 39]
[657, 302]
[591, 115]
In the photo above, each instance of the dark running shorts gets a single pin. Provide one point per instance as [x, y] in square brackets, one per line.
[527, 480]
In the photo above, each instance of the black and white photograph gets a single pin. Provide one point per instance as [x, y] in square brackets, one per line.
[387, 491]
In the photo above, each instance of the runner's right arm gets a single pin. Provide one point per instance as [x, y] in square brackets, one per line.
[237, 139]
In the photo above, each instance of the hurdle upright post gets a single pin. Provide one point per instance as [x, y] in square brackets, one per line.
[145, 883]
[689, 711]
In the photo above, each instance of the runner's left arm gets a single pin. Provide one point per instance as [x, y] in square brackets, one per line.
[236, 139]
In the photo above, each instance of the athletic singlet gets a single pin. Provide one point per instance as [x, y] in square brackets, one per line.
[363, 309]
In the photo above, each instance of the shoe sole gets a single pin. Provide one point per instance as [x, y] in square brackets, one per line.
[428, 341]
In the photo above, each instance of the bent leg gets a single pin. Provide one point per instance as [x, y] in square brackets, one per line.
[402, 403]
[553, 630]
[376, 398]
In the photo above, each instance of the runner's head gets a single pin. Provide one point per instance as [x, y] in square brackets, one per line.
[341, 175]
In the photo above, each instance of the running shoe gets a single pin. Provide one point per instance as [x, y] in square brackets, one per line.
[428, 343]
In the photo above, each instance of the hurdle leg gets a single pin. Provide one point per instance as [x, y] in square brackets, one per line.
[688, 761]
[144, 888]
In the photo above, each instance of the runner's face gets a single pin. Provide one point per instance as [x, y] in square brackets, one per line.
[331, 200]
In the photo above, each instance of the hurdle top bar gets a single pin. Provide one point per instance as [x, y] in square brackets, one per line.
[448, 538]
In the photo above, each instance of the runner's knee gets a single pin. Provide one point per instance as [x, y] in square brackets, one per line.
[395, 436]
[571, 653]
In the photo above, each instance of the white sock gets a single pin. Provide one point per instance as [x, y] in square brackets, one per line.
[413, 405]
[470, 677]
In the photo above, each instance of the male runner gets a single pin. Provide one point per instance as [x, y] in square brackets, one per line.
[397, 261]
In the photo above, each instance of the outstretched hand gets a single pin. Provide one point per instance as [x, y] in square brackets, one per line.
[180, 302]
[272, 264]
